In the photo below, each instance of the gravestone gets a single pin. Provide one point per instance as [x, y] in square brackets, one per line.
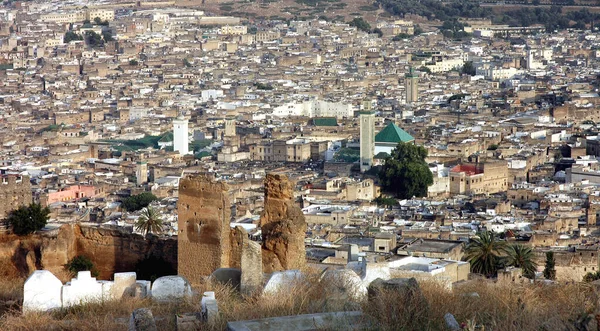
[210, 309]
[251, 264]
[142, 320]
[41, 292]
[124, 284]
[282, 280]
[82, 289]
[143, 289]
[171, 288]
[107, 289]
[229, 276]
[345, 283]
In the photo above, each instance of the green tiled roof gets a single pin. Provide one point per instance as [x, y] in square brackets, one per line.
[325, 121]
[393, 134]
[166, 137]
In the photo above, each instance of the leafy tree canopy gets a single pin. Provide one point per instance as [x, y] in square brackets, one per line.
[139, 201]
[360, 24]
[28, 219]
[405, 173]
[81, 263]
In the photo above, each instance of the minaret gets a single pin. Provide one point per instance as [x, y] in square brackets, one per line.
[141, 172]
[230, 130]
[180, 135]
[529, 57]
[367, 139]
[411, 82]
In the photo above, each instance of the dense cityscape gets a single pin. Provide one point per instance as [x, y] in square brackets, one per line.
[194, 157]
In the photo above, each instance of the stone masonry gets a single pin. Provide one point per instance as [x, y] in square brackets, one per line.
[204, 234]
[283, 227]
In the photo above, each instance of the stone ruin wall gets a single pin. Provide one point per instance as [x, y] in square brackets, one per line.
[110, 250]
[204, 243]
[207, 242]
[283, 227]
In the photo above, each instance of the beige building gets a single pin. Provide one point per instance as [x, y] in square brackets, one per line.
[295, 150]
[479, 178]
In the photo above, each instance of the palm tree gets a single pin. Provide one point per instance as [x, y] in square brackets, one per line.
[149, 221]
[484, 254]
[520, 256]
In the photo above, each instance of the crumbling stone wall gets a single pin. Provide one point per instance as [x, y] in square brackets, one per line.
[111, 250]
[15, 191]
[204, 243]
[283, 227]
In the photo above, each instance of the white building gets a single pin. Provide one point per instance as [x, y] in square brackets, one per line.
[314, 108]
[180, 135]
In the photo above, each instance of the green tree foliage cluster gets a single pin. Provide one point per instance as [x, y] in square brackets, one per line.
[487, 254]
[386, 201]
[468, 69]
[70, 36]
[360, 24]
[94, 39]
[405, 173]
[262, 86]
[28, 219]
[81, 263]
[552, 17]
[139, 201]
[99, 21]
[591, 276]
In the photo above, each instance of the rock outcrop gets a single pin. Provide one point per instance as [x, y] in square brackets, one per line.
[283, 227]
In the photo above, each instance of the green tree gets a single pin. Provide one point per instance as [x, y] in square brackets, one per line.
[591, 276]
[401, 36]
[150, 221]
[386, 201]
[520, 256]
[405, 173]
[549, 270]
[28, 219]
[378, 32]
[485, 254]
[70, 35]
[133, 62]
[107, 35]
[468, 69]
[81, 263]
[94, 39]
[139, 201]
[418, 30]
[360, 24]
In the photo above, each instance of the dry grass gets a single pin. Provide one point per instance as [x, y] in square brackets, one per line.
[498, 307]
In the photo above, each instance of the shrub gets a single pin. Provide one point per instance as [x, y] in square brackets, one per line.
[139, 201]
[81, 263]
[28, 219]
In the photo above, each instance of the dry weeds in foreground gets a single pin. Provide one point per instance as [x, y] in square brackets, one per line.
[498, 307]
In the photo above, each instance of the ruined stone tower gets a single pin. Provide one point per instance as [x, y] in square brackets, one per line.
[283, 227]
[204, 243]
